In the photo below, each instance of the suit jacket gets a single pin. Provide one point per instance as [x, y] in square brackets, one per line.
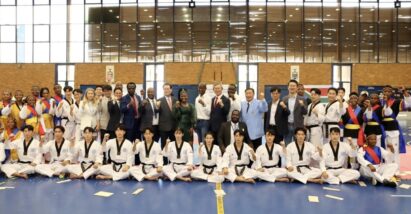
[166, 121]
[218, 115]
[148, 113]
[115, 115]
[224, 134]
[281, 118]
[299, 111]
[104, 114]
[129, 113]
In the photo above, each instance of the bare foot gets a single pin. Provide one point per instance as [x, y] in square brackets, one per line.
[102, 177]
[286, 180]
[250, 180]
[316, 180]
[74, 176]
[352, 182]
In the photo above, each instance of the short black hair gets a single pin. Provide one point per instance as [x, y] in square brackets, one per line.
[148, 129]
[275, 89]
[28, 127]
[341, 89]
[316, 90]
[89, 129]
[293, 81]
[44, 89]
[67, 88]
[300, 129]
[77, 90]
[332, 89]
[249, 89]
[271, 132]
[121, 126]
[240, 132]
[118, 88]
[335, 130]
[62, 129]
[107, 88]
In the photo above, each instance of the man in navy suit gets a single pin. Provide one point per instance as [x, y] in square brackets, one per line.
[220, 107]
[131, 105]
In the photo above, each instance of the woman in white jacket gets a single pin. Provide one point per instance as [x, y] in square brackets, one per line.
[88, 111]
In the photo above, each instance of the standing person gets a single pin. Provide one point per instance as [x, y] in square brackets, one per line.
[315, 118]
[299, 157]
[185, 115]
[30, 116]
[203, 108]
[333, 112]
[167, 123]
[64, 111]
[297, 107]
[113, 108]
[103, 109]
[220, 105]
[353, 120]
[393, 132]
[236, 159]
[88, 111]
[58, 97]
[373, 119]
[276, 116]
[77, 94]
[46, 107]
[267, 165]
[210, 161]
[252, 114]
[336, 154]
[28, 152]
[4, 105]
[35, 91]
[180, 154]
[14, 108]
[235, 101]
[131, 108]
[150, 115]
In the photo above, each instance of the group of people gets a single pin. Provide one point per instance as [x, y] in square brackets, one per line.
[106, 135]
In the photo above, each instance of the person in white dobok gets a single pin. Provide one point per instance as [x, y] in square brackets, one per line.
[268, 156]
[65, 112]
[2, 154]
[236, 159]
[371, 159]
[335, 155]
[180, 155]
[334, 109]
[29, 155]
[151, 159]
[313, 121]
[59, 150]
[210, 161]
[89, 156]
[299, 156]
[121, 153]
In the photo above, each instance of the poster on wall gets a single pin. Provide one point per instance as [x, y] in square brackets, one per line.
[295, 72]
[110, 74]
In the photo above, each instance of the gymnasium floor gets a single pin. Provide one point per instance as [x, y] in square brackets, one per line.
[43, 196]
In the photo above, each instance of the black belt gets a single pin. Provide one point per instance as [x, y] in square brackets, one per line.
[25, 162]
[239, 173]
[335, 167]
[327, 124]
[143, 167]
[117, 165]
[312, 126]
[86, 165]
[302, 166]
[269, 167]
[64, 118]
[177, 164]
[209, 169]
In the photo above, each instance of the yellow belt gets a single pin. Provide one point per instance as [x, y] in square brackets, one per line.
[388, 119]
[373, 123]
[352, 126]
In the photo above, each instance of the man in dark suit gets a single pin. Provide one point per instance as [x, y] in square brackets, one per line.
[277, 115]
[167, 123]
[150, 115]
[131, 108]
[113, 107]
[220, 105]
[226, 132]
[298, 108]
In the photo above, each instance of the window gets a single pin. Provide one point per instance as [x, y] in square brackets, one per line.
[65, 74]
[342, 77]
[247, 78]
[154, 78]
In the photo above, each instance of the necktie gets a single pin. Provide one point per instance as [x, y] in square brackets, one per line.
[248, 106]
[169, 103]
